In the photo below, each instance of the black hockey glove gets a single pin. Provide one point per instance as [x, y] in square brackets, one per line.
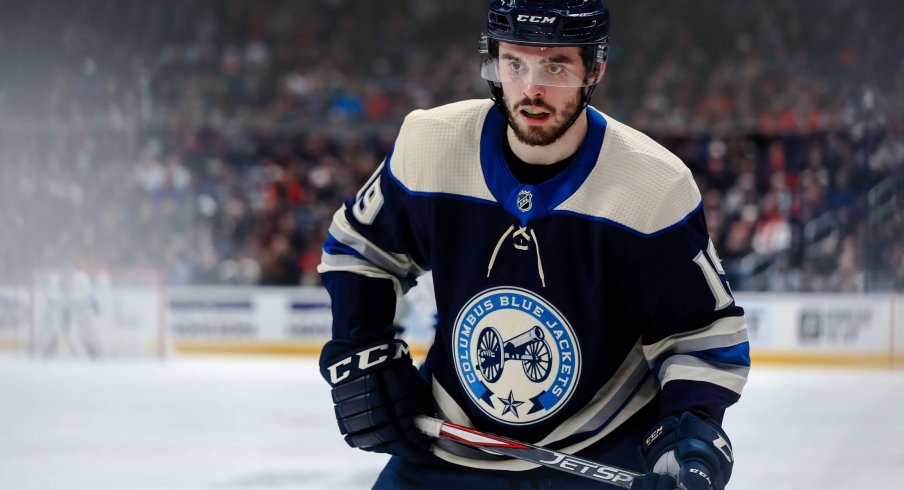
[377, 391]
[654, 481]
[695, 452]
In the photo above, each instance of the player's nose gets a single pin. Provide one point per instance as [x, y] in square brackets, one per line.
[533, 90]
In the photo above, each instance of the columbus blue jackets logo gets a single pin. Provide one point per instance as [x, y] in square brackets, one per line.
[516, 355]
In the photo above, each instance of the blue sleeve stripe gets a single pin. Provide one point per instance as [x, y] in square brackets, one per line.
[738, 355]
[692, 368]
[725, 332]
[334, 247]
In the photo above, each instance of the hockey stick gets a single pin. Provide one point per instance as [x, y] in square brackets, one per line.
[538, 455]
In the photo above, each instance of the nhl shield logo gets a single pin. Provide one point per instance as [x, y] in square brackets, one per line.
[525, 201]
[516, 356]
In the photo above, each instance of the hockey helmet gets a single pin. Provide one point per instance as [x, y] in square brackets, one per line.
[546, 23]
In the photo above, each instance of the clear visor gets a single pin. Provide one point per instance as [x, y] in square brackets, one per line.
[553, 66]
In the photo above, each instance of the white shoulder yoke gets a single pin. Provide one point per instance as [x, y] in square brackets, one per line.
[636, 183]
[438, 150]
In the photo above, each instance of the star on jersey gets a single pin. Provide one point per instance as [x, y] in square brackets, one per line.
[511, 405]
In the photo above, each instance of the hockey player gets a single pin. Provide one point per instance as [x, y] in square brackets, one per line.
[581, 303]
[68, 316]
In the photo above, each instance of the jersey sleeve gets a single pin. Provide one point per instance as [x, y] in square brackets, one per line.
[372, 255]
[694, 336]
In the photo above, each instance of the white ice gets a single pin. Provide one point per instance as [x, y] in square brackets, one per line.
[265, 423]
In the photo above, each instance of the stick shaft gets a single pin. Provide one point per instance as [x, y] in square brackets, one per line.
[538, 455]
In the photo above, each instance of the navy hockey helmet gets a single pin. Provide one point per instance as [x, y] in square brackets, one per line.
[547, 23]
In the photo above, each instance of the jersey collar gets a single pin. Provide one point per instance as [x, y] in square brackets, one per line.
[530, 202]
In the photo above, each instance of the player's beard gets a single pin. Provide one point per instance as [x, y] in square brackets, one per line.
[560, 121]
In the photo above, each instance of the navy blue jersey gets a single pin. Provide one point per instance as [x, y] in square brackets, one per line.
[564, 308]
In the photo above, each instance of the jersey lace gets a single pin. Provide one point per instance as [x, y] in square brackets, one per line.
[528, 235]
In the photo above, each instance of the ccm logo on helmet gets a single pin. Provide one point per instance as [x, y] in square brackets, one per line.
[536, 19]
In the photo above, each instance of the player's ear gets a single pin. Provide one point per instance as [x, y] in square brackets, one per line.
[595, 76]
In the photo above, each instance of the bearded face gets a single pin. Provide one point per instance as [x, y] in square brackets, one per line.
[541, 89]
[536, 122]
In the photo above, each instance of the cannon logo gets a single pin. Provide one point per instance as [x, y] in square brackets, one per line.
[516, 355]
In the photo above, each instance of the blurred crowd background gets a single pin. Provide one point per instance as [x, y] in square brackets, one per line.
[214, 139]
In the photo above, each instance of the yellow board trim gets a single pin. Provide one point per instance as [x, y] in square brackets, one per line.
[14, 345]
[282, 348]
[826, 359]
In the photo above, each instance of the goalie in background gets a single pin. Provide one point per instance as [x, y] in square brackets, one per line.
[67, 315]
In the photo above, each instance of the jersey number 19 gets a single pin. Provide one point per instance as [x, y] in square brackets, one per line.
[723, 299]
[369, 199]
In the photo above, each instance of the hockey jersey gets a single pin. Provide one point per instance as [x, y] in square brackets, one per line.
[564, 308]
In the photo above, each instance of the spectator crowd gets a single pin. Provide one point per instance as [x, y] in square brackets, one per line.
[214, 140]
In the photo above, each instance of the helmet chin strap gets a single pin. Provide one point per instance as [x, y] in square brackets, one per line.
[496, 92]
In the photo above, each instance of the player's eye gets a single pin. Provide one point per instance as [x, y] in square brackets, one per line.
[516, 66]
[555, 69]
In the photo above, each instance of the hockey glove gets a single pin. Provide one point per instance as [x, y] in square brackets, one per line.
[695, 452]
[654, 481]
[377, 391]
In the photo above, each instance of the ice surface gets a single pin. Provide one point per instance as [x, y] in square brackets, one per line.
[265, 423]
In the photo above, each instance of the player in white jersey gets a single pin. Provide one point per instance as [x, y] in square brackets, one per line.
[67, 315]
[581, 305]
